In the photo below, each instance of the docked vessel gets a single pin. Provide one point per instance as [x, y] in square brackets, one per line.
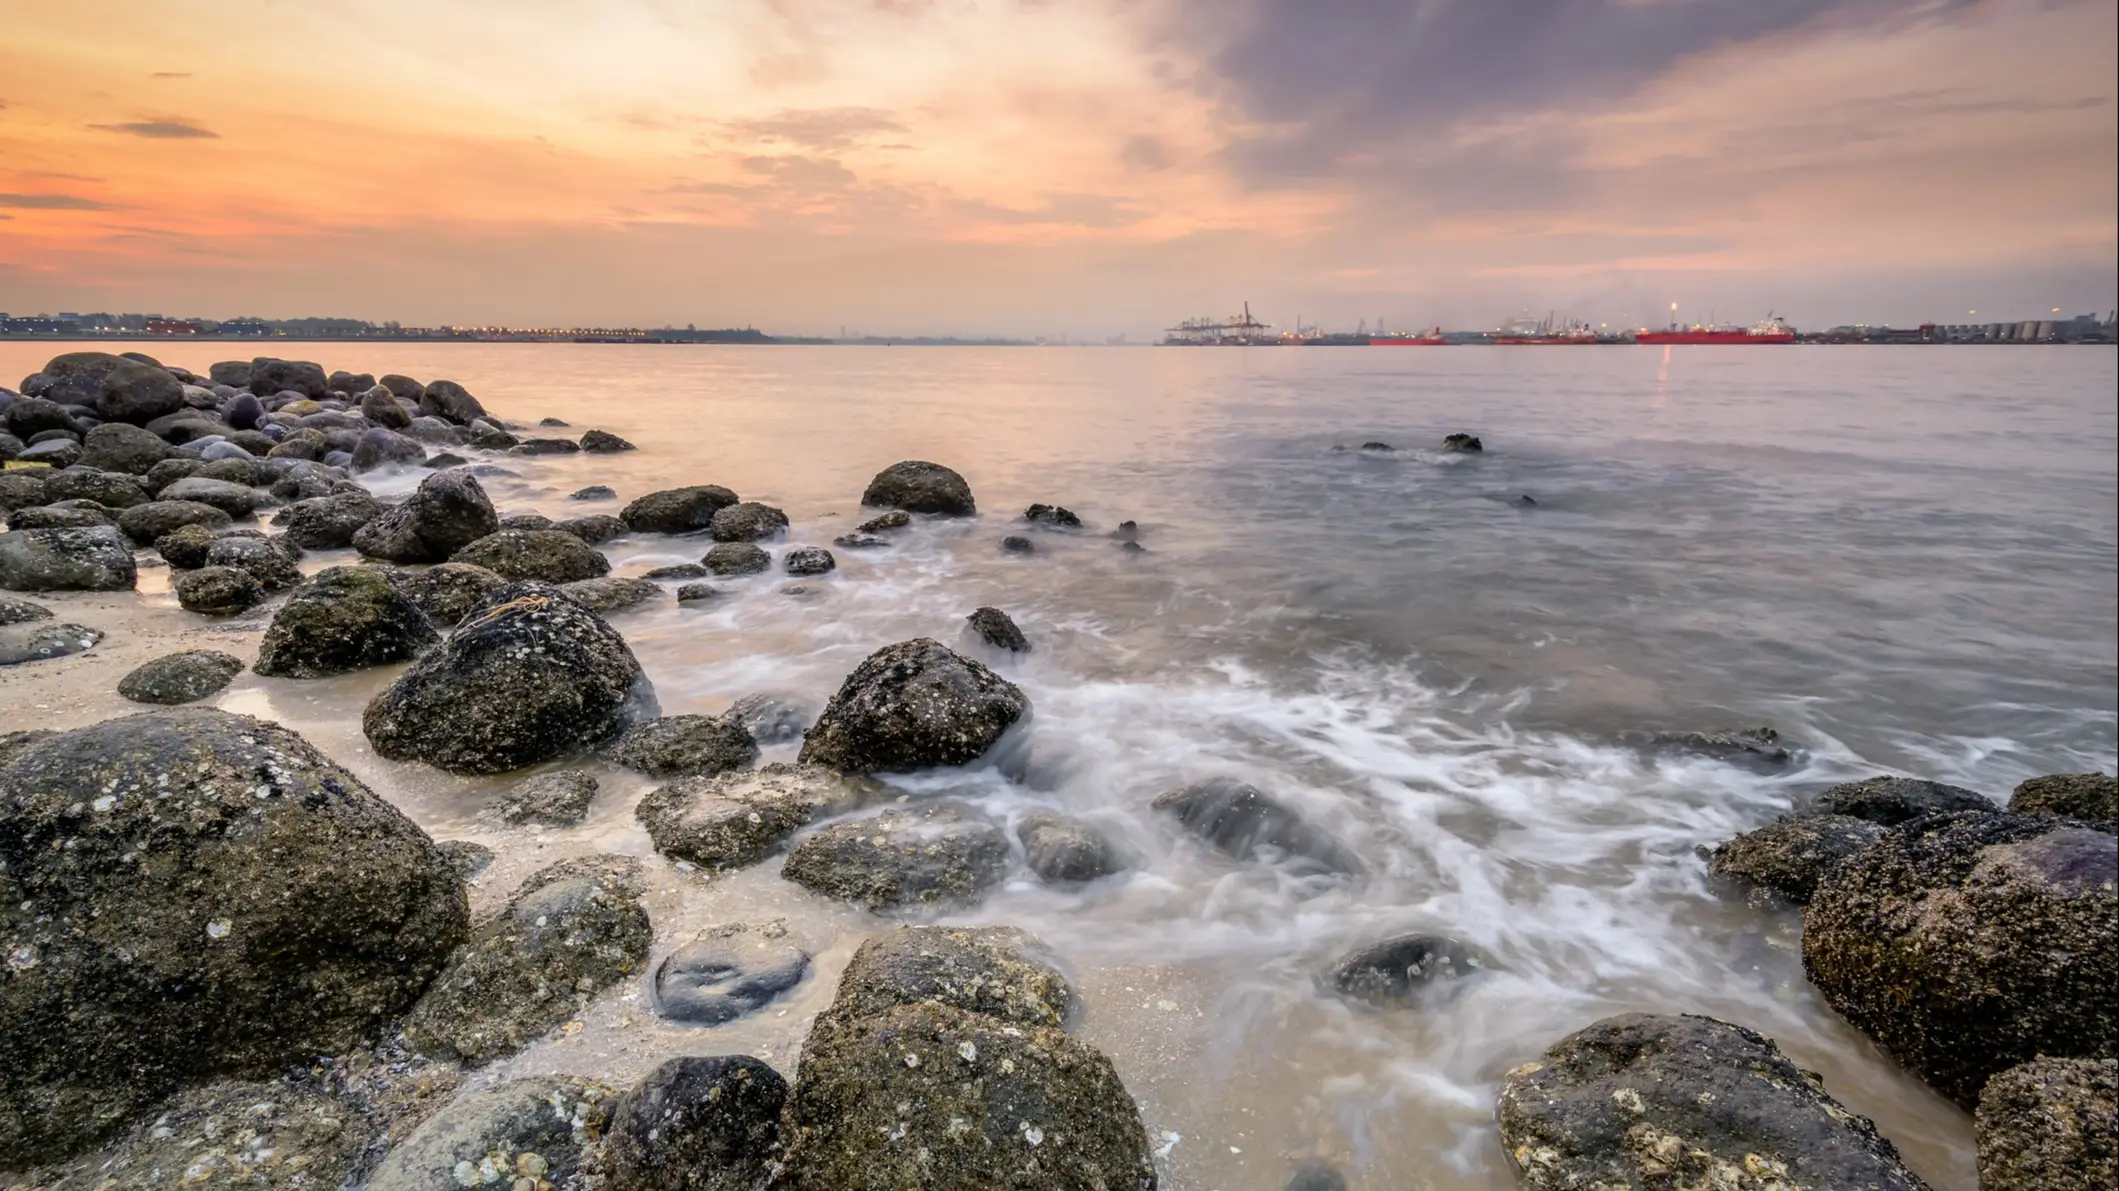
[1772, 330]
[1521, 332]
[1432, 338]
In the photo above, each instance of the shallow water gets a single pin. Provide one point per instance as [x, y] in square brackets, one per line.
[1906, 560]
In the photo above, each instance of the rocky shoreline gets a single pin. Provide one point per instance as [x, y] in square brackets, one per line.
[230, 960]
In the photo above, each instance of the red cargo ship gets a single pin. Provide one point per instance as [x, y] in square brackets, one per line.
[1431, 339]
[1773, 330]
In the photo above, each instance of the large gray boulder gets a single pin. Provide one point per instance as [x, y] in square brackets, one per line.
[448, 592]
[1066, 851]
[188, 894]
[1648, 1100]
[138, 393]
[914, 705]
[386, 448]
[112, 490]
[236, 500]
[382, 408]
[217, 591]
[1968, 943]
[919, 487]
[740, 817]
[530, 676]
[269, 376]
[66, 560]
[557, 799]
[1782, 862]
[748, 521]
[533, 1133]
[685, 746]
[2090, 796]
[268, 560]
[341, 620]
[447, 513]
[1245, 823]
[76, 378]
[1894, 800]
[146, 523]
[547, 555]
[2050, 1125]
[927, 855]
[179, 678]
[122, 447]
[677, 510]
[449, 401]
[329, 522]
[697, 1124]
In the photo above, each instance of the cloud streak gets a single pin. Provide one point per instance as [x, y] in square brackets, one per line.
[52, 202]
[160, 130]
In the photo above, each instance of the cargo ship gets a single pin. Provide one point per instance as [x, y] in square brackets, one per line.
[1521, 332]
[1773, 330]
[1432, 338]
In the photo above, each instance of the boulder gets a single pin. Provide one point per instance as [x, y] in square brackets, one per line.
[1064, 851]
[233, 373]
[184, 548]
[184, 677]
[697, 593]
[557, 799]
[772, 719]
[607, 595]
[300, 444]
[449, 401]
[138, 393]
[350, 383]
[147, 523]
[109, 489]
[404, 388]
[243, 412]
[386, 448]
[938, 854]
[121, 447]
[469, 859]
[1967, 943]
[66, 560]
[486, 436]
[341, 620]
[748, 521]
[1018, 544]
[697, 1124]
[919, 487]
[1462, 443]
[595, 530]
[1894, 800]
[860, 541]
[41, 642]
[677, 510]
[544, 446]
[266, 559]
[56, 453]
[741, 816]
[73, 514]
[737, 558]
[685, 746]
[593, 492]
[805, 561]
[999, 972]
[542, 554]
[329, 522]
[1782, 862]
[913, 705]
[447, 513]
[527, 1134]
[269, 375]
[530, 676]
[571, 930]
[1055, 516]
[525, 521]
[383, 409]
[682, 570]
[212, 896]
[1759, 748]
[995, 628]
[885, 522]
[305, 479]
[217, 591]
[2090, 796]
[75, 378]
[439, 432]
[600, 442]
[161, 475]
[447, 592]
[1316, 1176]
[2050, 1125]
[236, 500]
[1243, 822]
[727, 972]
[14, 611]
[10, 446]
[31, 416]
[21, 489]
[1654, 1100]
[1398, 970]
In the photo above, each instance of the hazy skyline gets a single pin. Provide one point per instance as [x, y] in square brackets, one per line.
[1037, 166]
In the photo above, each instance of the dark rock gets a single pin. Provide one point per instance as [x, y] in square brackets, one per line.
[697, 1124]
[23, 612]
[185, 547]
[928, 854]
[1524, 502]
[1648, 1100]
[555, 423]
[1018, 544]
[571, 930]
[83, 514]
[384, 410]
[45, 436]
[607, 595]
[1782, 862]
[52, 452]
[2090, 796]
[385, 448]
[593, 492]
[697, 593]
[233, 373]
[341, 620]
[217, 591]
[268, 375]
[1245, 823]
[1064, 851]
[404, 388]
[440, 432]
[894, 519]
[268, 563]
[31, 416]
[1396, 971]
[685, 746]
[544, 446]
[677, 510]
[1317, 1176]
[726, 973]
[1968, 943]
[913, 705]
[286, 913]
[771, 719]
[599, 442]
[147, 523]
[529, 676]
[66, 560]
[109, 489]
[75, 377]
[304, 479]
[595, 530]
[449, 401]
[860, 541]
[1052, 515]
[2050, 1125]
[10, 446]
[487, 437]
[301, 444]
[737, 558]
[244, 412]
[741, 816]
[1463, 442]
[447, 513]
[1894, 800]
[135, 392]
[748, 521]
[352, 384]
[250, 473]
[557, 799]
[169, 471]
[805, 561]
[523, 1133]
[117, 446]
[995, 628]
[330, 522]
[446, 592]
[236, 500]
[181, 677]
[467, 858]
[1758, 747]
[682, 570]
[918, 487]
[525, 521]
[545, 554]
[444, 460]
[42, 642]
[999, 972]
[1382, 447]
[21, 489]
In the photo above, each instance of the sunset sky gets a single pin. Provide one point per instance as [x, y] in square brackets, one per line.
[1084, 167]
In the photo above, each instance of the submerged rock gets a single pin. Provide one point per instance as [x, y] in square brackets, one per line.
[593, 492]
[740, 817]
[2090, 796]
[681, 570]
[1398, 970]
[212, 897]
[448, 591]
[1894, 800]
[529, 676]
[66, 560]
[685, 745]
[1783, 861]
[1968, 943]
[928, 854]
[860, 541]
[913, 705]
[184, 677]
[1760, 747]
[728, 972]
[1648, 1100]
[448, 512]
[995, 628]
[884, 523]
[449, 401]
[1462, 443]
[535, 1132]
[771, 719]
[920, 487]
[1052, 515]
[547, 555]
[42, 642]
[606, 595]
[2050, 1125]
[1018, 544]
[677, 510]
[341, 620]
[748, 521]
[1064, 851]
[572, 929]
[595, 530]
[809, 560]
[557, 799]
[737, 558]
[1243, 822]
[217, 591]
[603, 442]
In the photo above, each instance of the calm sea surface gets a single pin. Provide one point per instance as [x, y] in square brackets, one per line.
[1906, 560]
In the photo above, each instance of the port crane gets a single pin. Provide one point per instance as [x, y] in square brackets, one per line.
[1230, 331]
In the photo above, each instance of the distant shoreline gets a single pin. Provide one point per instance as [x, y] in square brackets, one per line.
[924, 342]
